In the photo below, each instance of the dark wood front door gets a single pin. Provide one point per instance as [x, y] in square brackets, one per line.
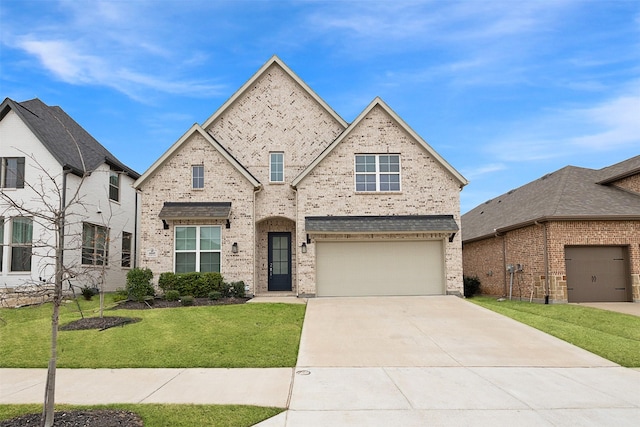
[279, 262]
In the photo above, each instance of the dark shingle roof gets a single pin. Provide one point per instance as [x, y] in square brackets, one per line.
[381, 224]
[58, 132]
[568, 193]
[195, 210]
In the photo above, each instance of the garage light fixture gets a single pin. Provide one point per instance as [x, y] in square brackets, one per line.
[234, 247]
[303, 247]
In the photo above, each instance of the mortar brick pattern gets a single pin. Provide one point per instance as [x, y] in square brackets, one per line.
[526, 246]
[278, 114]
[631, 183]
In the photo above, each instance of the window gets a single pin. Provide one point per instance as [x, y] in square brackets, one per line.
[197, 248]
[378, 172]
[95, 244]
[12, 172]
[21, 242]
[114, 186]
[197, 176]
[276, 167]
[126, 249]
[1, 241]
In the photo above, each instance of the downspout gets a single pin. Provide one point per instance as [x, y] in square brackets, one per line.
[256, 190]
[547, 287]
[135, 231]
[504, 261]
[295, 190]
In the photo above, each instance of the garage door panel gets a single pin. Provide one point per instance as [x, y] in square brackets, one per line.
[379, 268]
[597, 274]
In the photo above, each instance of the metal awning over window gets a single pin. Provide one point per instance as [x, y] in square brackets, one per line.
[195, 210]
[381, 224]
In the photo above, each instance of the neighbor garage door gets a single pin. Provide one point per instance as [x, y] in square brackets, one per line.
[379, 268]
[597, 274]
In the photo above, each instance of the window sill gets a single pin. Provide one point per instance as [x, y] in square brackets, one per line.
[374, 193]
[197, 189]
[277, 183]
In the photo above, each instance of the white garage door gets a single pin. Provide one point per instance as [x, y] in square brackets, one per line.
[379, 268]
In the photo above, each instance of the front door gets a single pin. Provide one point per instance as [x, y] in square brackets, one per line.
[279, 262]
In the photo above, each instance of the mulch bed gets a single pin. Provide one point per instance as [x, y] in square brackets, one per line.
[93, 418]
[106, 322]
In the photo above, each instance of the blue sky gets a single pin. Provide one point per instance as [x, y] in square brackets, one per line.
[506, 91]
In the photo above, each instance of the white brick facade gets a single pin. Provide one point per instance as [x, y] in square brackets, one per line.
[276, 112]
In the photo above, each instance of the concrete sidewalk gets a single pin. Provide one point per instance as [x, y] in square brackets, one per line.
[260, 387]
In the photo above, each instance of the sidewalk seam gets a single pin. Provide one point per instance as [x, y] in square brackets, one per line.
[162, 385]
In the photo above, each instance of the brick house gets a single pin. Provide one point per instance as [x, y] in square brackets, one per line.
[571, 236]
[277, 190]
[42, 151]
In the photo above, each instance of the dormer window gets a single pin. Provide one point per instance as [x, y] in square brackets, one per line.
[276, 167]
[197, 176]
[114, 186]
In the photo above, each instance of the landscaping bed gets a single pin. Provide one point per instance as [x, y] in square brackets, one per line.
[81, 418]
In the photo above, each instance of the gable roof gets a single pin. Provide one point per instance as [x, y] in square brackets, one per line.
[379, 102]
[58, 132]
[251, 82]
[569, 193]
[197, 129]
[620, 170]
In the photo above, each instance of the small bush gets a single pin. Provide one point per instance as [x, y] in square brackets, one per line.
[139, 285]
[168, 281]
[120, 295]
[236, 289]
[88, 292]
[215, 295]
[471, 286]
[172, 295]
[187, 300]
[199, 285]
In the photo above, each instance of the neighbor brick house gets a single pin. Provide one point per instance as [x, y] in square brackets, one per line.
[46, 158]
[571, 236]
[277, 190]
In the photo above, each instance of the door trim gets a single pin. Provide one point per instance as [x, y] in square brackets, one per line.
[284, 282]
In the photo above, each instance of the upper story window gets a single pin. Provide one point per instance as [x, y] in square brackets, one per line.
[276, 167]
[197, 176]
[12, 172]
[377, 172]
[95, 244]
[114, 186]
[21, 243]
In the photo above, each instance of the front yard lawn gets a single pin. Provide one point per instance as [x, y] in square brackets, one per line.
[227, 336]
[155, 415]
[614, 336]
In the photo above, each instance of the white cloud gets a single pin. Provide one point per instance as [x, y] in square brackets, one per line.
[476, 172]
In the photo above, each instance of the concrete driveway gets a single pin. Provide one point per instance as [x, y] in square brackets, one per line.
[415, 361]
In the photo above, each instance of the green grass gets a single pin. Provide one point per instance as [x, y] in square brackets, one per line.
[614, 336]
[169, 415]
[227, 336]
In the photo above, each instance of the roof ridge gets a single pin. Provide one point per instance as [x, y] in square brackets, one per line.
[560, 190]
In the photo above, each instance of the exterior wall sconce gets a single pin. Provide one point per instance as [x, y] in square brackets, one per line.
[165, 224]
[228, 224]
[303, 248]
[234, 247]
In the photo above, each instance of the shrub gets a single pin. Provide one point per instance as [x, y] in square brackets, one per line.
[236, 289]
[471, 286]
[199, 285]
[168, 281]
[120, 295]
[187, 300]
[139, 285]
[172, 295]
[88, 292]
[215, 295]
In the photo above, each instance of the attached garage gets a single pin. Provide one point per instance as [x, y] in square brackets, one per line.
[368, 268]
[380, 256]
[597, 274]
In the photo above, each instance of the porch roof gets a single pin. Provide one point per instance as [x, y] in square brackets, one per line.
[381, 224]
[195, 210]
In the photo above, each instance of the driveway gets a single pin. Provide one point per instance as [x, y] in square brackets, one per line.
[415, 361]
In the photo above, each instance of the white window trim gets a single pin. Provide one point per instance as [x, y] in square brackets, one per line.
[117, 187]
[197, 249]
[377, 174]
[193, 187]
[271, 167]
[94, 259]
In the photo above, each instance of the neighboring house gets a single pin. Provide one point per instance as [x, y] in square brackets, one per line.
[571, 236]
[277, 190]
[42, 150]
